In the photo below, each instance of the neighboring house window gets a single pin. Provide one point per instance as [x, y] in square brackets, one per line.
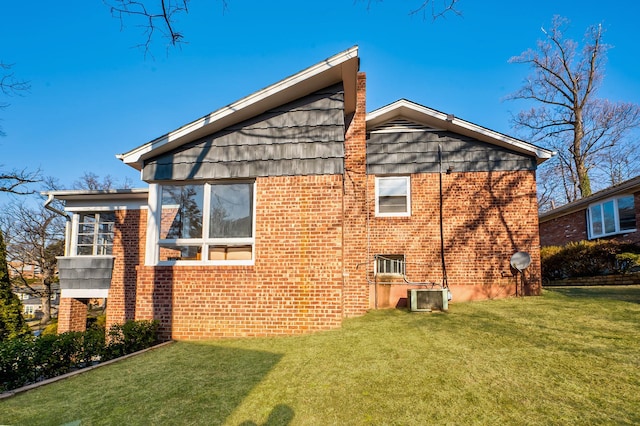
[95, 233]
[210, 222]
[611, 217]
[390, 264]
[393, 196]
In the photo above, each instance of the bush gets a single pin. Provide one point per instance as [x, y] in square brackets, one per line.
[51, 328]
[588, 259]
[16, 363]
[131, 336]
[28, 360]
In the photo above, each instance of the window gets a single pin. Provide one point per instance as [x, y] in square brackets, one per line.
[206, 222]
[611, 217]
[95, 233]
[393, 196]
[390, 264]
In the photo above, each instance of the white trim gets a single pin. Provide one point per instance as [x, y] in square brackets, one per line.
[92, 207]
[407, 180]
[152, 249]
[84, 293]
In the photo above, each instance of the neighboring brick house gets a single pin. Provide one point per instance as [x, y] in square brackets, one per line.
[612, 213]
[292, 209]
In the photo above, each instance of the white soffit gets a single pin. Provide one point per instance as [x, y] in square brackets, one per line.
[341, 67]
[436, 119]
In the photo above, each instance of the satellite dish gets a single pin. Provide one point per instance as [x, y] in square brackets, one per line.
[520, 261]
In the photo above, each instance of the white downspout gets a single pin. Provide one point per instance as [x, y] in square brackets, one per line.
[67, 227]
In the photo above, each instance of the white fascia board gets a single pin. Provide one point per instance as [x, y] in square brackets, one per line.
[84, 293]
[247, 107]
[436, 118]
[102, 200]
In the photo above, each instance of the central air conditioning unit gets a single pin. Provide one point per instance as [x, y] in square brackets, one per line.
[427, 299]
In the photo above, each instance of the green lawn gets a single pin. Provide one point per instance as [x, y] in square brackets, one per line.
[569, 357]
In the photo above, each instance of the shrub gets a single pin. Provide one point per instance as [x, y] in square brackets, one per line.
[131, 336]
[28, 360]
[51, 328]
[16, 363]
[588, 258]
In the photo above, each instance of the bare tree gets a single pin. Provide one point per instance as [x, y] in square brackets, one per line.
[161, 16]
[34, 237]
[568, 117]
[10, 85]
[92, 181]
[17, 181]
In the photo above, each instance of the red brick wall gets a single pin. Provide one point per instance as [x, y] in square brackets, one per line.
[72, 315]
[488, 216]
[356, 289]
[294, 287]
[128, 249]
[315, 241]
[564, 229]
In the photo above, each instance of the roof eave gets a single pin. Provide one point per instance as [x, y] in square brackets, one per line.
[629, 186]
[341, 67]
[85, 194]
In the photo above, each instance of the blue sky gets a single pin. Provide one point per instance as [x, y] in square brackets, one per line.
[94, 95]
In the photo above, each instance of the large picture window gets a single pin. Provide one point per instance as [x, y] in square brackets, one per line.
[94, 233]
[393, 196]
[210, 222]
[611, 217]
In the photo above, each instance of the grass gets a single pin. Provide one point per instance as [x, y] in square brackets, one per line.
[569, 357]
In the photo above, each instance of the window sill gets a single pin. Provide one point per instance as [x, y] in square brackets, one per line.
[613, 234]
[206, 263]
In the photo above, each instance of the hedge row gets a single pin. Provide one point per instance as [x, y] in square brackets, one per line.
[30, 360]
[589, 259]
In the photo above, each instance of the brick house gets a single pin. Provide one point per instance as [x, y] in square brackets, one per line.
[612, 213]
[292, 209]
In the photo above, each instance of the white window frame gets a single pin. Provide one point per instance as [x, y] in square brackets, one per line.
[154, 219]
[76, 226]
[399, 266]
[592, 235]
[406, 213]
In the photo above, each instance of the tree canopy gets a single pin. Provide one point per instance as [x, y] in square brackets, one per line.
[586, 131]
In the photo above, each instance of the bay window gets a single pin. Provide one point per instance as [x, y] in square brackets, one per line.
[610, 217]
[206, 222]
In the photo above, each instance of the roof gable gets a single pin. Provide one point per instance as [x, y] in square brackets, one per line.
[342, 67]
[407, 111]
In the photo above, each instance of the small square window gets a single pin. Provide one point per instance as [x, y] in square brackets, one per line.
[393, 196]
[390, 264]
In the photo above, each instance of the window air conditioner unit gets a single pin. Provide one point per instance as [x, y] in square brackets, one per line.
[427, 299]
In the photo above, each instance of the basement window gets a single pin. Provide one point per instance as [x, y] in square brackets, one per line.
[390, 264]
[610, 217]
[393, 196]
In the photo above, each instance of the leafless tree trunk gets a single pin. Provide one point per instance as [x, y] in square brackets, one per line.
[567, 116]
